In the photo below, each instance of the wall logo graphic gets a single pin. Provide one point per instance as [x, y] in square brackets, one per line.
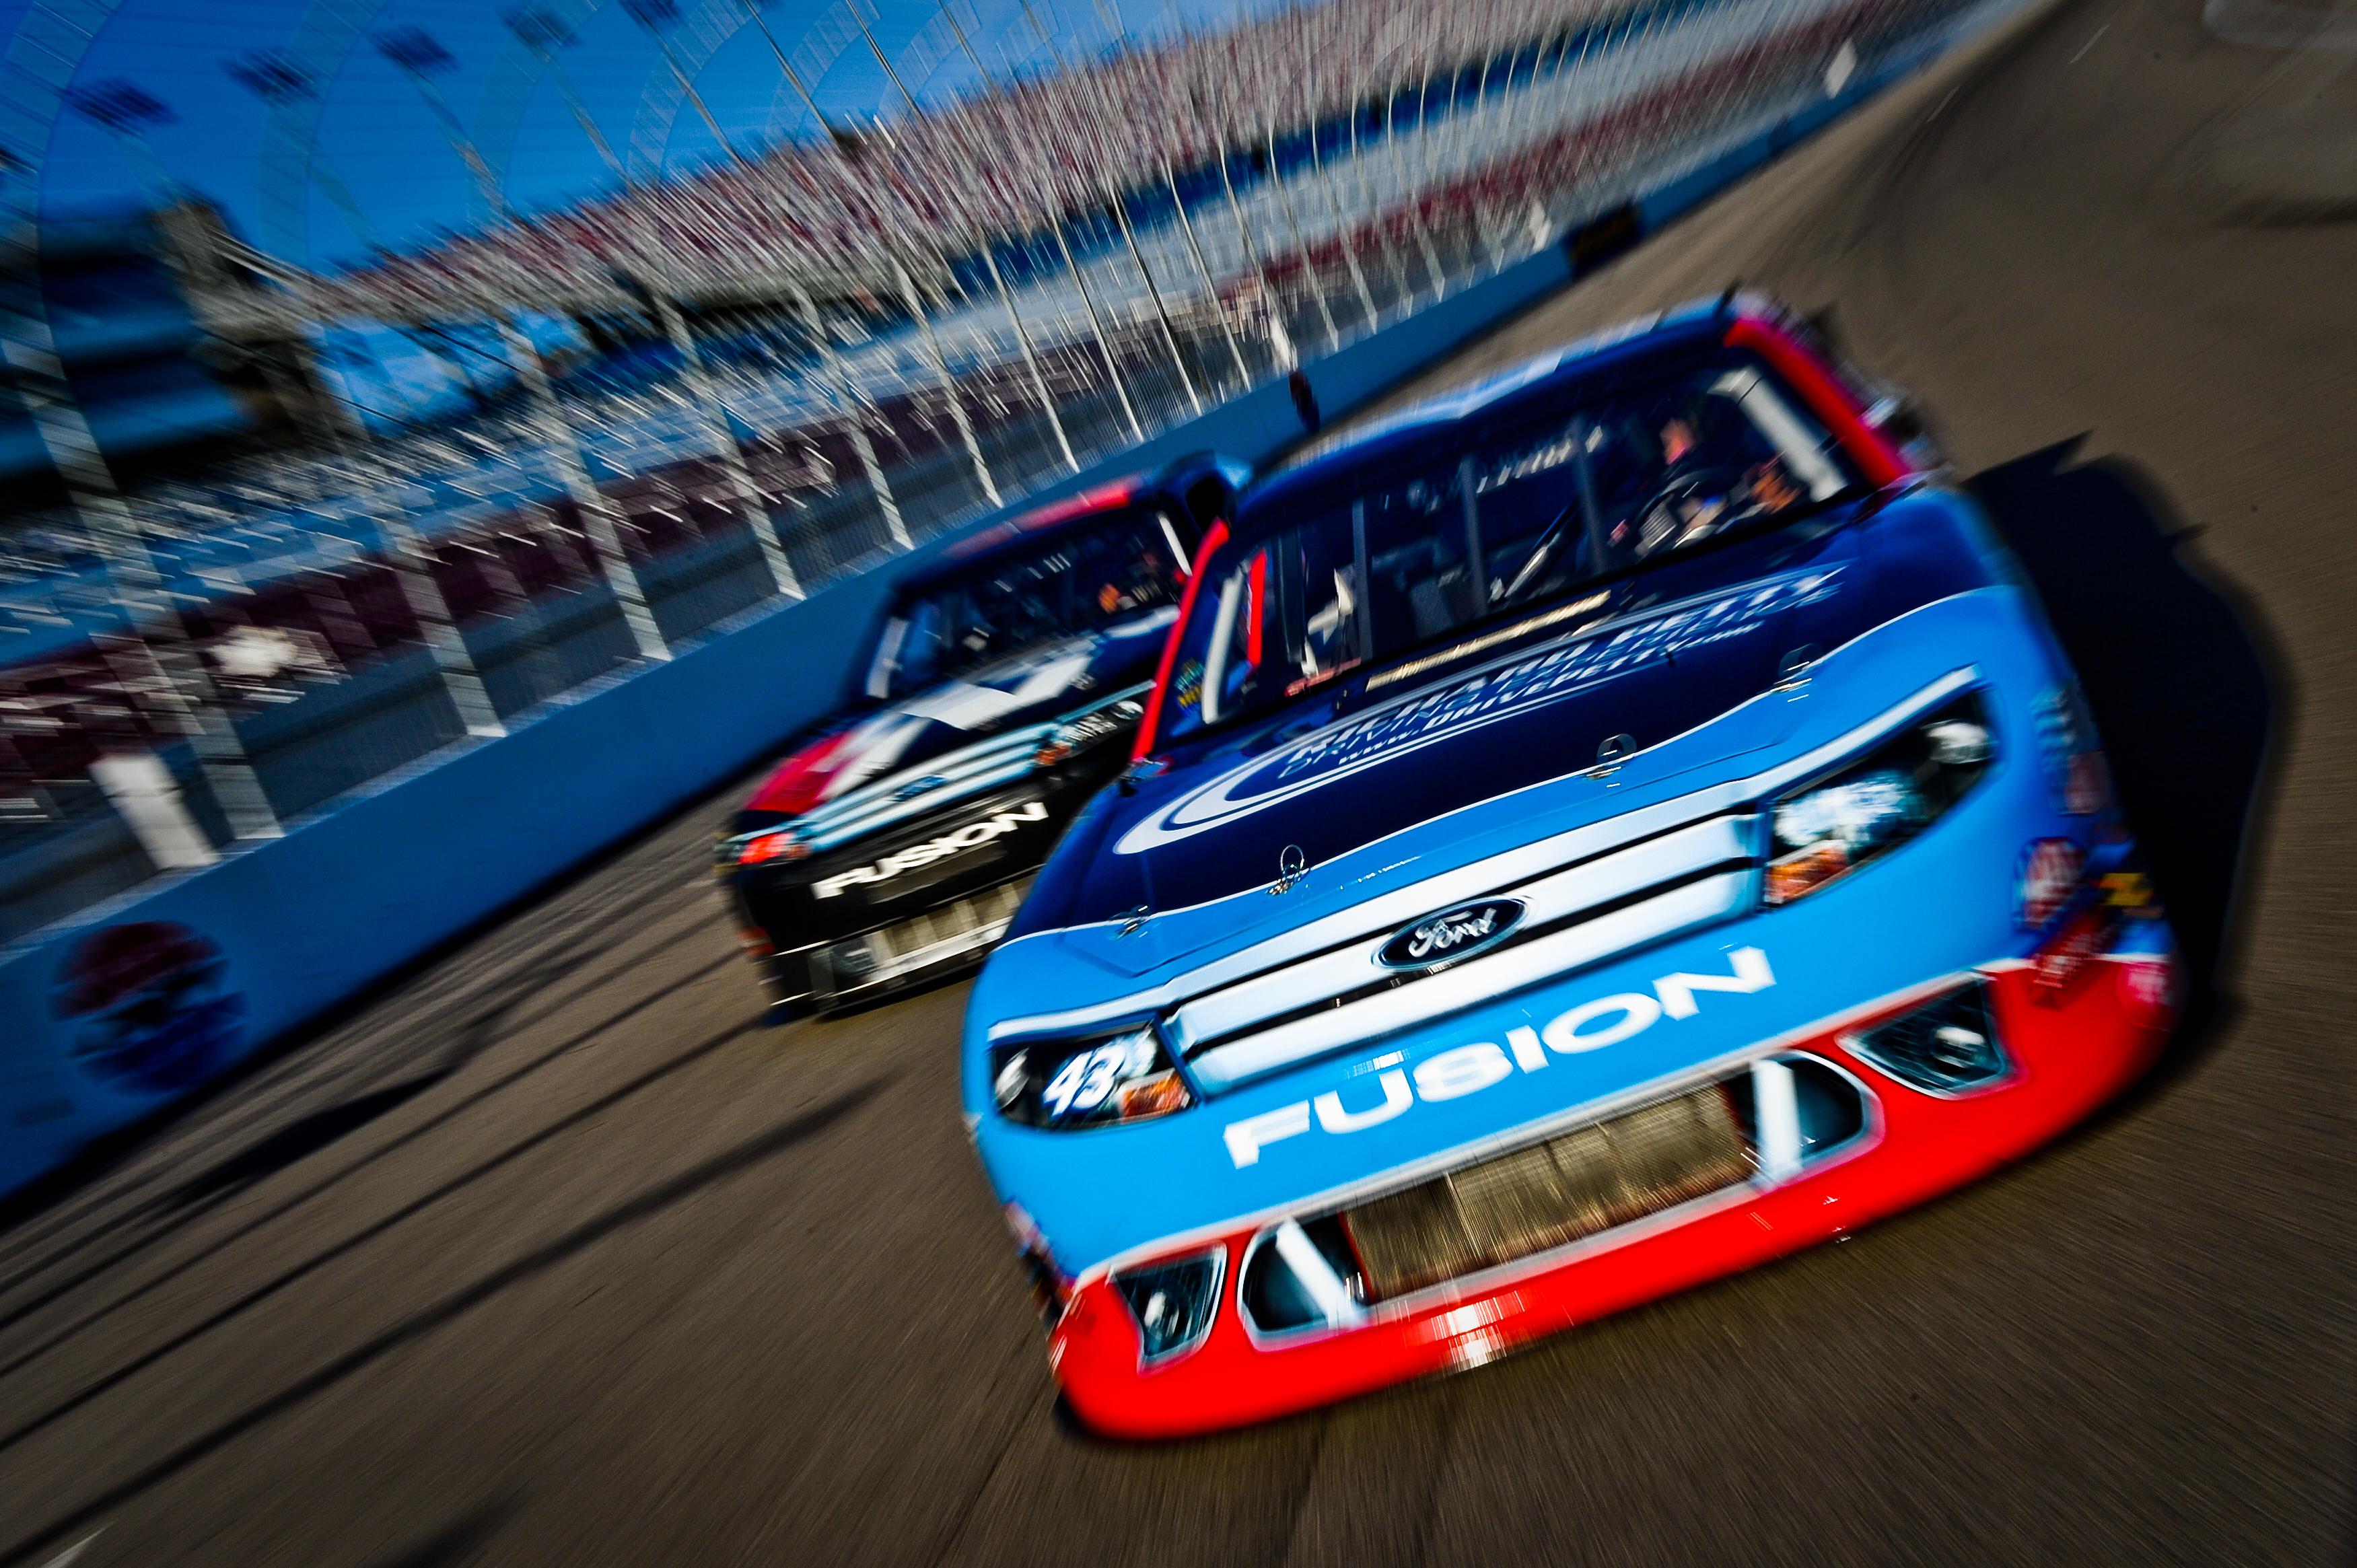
[147, 1007]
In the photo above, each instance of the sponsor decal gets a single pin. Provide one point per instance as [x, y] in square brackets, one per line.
[978, 703]
[2149, 984]
[2088, 788]
[2063, 963]
[2051, 869]
[1452, 934]
[874, 747]
[974, 835]
[2078, 778]
[148, 1007]
[1488, 697]
[1467, 1069]
[2131, 892]
[1088, 1079]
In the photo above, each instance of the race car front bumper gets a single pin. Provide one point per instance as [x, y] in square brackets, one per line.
[915, 950]
[894, 910]
[2075, 1026]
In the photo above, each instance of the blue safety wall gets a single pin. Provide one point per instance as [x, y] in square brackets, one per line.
[109, 1018]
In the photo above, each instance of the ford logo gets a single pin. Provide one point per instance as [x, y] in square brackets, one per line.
[1451, 934]
[916, 787]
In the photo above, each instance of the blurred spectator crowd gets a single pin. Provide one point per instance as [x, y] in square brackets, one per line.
[1005, 161]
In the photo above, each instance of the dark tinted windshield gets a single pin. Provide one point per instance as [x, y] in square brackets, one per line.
[1620, 471]
[1115, 568]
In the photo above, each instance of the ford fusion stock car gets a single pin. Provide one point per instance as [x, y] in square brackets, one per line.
[1002, 685]
[1604, 830]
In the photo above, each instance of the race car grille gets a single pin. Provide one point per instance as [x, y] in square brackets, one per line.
[1546, 1195]
[953, 932]
[1234, 1029]
[1764, 1125]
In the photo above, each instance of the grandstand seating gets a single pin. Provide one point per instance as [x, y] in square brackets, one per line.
[1004, 162]
[1356, 193]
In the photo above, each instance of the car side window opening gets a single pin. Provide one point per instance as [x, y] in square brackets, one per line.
[1640, 468]
[1017, 602]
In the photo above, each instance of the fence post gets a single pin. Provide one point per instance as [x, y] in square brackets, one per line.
[411, 567]
[1096, 325]
[1031, 360]
[853, 423]
[1300, 245]
[176, 671]
[949, 382]
[1154, 291]
[597, 514]
[715, 414]
[1281, 338]
[1210, 288]
[1343, 230]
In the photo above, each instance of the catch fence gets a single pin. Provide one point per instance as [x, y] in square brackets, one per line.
[198, 665]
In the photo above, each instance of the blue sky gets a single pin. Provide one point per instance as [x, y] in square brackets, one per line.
[377, 134]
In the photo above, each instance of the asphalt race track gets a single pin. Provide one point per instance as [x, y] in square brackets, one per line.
[552, 1255]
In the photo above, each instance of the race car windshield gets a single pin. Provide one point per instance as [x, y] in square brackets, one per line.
[1618, 474]
[1081, 580]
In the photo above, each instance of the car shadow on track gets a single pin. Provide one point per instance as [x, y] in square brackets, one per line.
[294, 1142]
[297, 1391]
[170, 1214]
[953, 975]
[2177, 671]
[461, 1541]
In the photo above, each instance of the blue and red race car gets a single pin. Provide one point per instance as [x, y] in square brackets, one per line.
[1587, 835]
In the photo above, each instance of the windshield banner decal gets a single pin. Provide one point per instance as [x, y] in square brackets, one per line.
[1411, 722]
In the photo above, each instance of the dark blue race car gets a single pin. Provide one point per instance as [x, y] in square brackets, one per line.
[1001, 687]
[1590, 834]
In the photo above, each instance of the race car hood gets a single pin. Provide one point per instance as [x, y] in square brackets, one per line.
[1657, 676]
[1012, 702]
[1254, 1148]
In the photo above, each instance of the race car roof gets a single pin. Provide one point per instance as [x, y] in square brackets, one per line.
[1415, 434]
[1069, 512]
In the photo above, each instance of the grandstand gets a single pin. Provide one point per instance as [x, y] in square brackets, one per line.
[811, 359]
[1010, 162]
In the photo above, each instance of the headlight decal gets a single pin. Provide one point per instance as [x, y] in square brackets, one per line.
[791, 843]
[1869, 808]
[1091, 1081]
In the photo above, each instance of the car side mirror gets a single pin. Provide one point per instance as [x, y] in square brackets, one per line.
[1207, 502]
